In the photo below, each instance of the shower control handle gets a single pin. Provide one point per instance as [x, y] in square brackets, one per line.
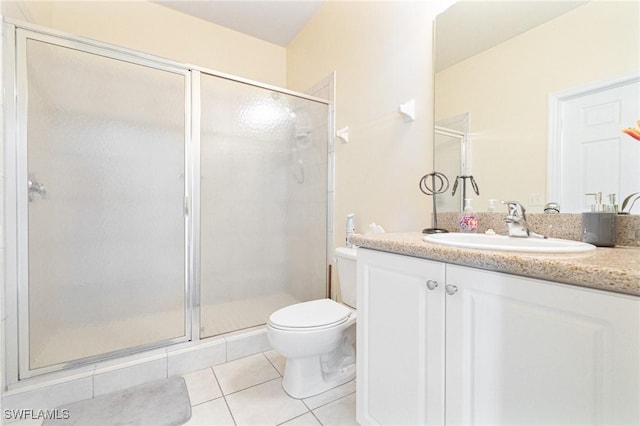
[451, 289]
[432, 285]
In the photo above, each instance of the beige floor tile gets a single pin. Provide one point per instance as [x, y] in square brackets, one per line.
[304, 420]
[264, 404]
[330, 395]
[277, 360]
[202, 386]
[338, 413]
[212, 413]
[244, 372]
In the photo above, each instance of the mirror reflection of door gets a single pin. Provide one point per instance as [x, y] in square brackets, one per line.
[594, 155]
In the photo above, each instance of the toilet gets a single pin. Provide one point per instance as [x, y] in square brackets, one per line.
[318, 337]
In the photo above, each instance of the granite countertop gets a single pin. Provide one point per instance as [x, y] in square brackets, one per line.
[612, 269]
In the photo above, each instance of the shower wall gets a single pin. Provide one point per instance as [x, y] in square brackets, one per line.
[263, 203]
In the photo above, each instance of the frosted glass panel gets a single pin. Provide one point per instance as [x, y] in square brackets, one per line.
[448, 161]
[263, 203]
[106, 223]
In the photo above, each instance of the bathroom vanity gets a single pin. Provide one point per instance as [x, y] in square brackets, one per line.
[461, 336]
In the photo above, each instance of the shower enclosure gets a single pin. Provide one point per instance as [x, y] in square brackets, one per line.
[452, 156]
[153, 203]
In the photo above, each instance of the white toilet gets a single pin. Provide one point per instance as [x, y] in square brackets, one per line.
[318, 337]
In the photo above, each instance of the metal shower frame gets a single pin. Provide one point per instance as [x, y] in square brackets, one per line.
[15, 281]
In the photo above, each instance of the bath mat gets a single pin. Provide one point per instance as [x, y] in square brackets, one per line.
[165, 402]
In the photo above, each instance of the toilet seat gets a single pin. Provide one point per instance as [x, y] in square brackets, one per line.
[307, 316]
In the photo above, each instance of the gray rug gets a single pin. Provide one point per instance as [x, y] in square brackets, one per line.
[162, 403]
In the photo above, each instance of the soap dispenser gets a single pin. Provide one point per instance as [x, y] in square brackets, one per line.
[468, 220]
[350, 229]
[599, 225]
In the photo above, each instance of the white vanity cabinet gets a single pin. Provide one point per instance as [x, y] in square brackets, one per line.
[484, 347]
[400, 340]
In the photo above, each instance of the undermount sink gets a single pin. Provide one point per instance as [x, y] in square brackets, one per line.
[506, 243]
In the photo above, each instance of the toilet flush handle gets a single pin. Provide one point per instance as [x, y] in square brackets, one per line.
[432, 285]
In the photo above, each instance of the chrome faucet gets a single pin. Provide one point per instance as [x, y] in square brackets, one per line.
[517, 221]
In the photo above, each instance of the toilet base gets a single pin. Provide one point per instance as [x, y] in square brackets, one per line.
[308, 376]
[304, 377]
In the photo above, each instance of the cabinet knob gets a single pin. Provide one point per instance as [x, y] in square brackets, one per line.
[451, 289]
[432, 285]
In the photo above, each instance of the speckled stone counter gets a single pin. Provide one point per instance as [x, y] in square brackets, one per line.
[612, 269]
[566, 225]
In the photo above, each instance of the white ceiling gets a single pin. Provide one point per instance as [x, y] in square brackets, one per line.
[469, 27]
[463, 30]
[277, 22]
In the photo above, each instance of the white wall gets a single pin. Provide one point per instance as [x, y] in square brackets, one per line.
[158, 30]
[381, 52]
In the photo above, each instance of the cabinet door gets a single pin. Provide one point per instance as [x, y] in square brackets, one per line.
[400, 344]
[525, 351]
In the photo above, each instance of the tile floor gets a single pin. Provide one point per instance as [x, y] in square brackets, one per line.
[248, 391]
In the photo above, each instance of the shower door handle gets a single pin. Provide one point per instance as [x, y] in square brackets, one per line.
[35, 188]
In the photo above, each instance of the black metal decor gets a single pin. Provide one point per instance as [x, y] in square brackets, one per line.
[439, 184]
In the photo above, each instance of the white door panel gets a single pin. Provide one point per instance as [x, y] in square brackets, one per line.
[595, 155]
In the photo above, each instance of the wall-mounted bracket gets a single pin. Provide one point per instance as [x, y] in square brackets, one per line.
[408, 110]
[343, 134]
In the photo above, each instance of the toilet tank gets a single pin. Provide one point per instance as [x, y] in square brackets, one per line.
[346, 262]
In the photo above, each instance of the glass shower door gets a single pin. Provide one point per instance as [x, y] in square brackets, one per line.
[263, 203]
[102, 174]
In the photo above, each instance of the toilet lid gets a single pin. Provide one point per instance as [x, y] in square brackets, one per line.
[317, 313]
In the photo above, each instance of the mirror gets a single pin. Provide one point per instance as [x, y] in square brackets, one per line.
[497, 64]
